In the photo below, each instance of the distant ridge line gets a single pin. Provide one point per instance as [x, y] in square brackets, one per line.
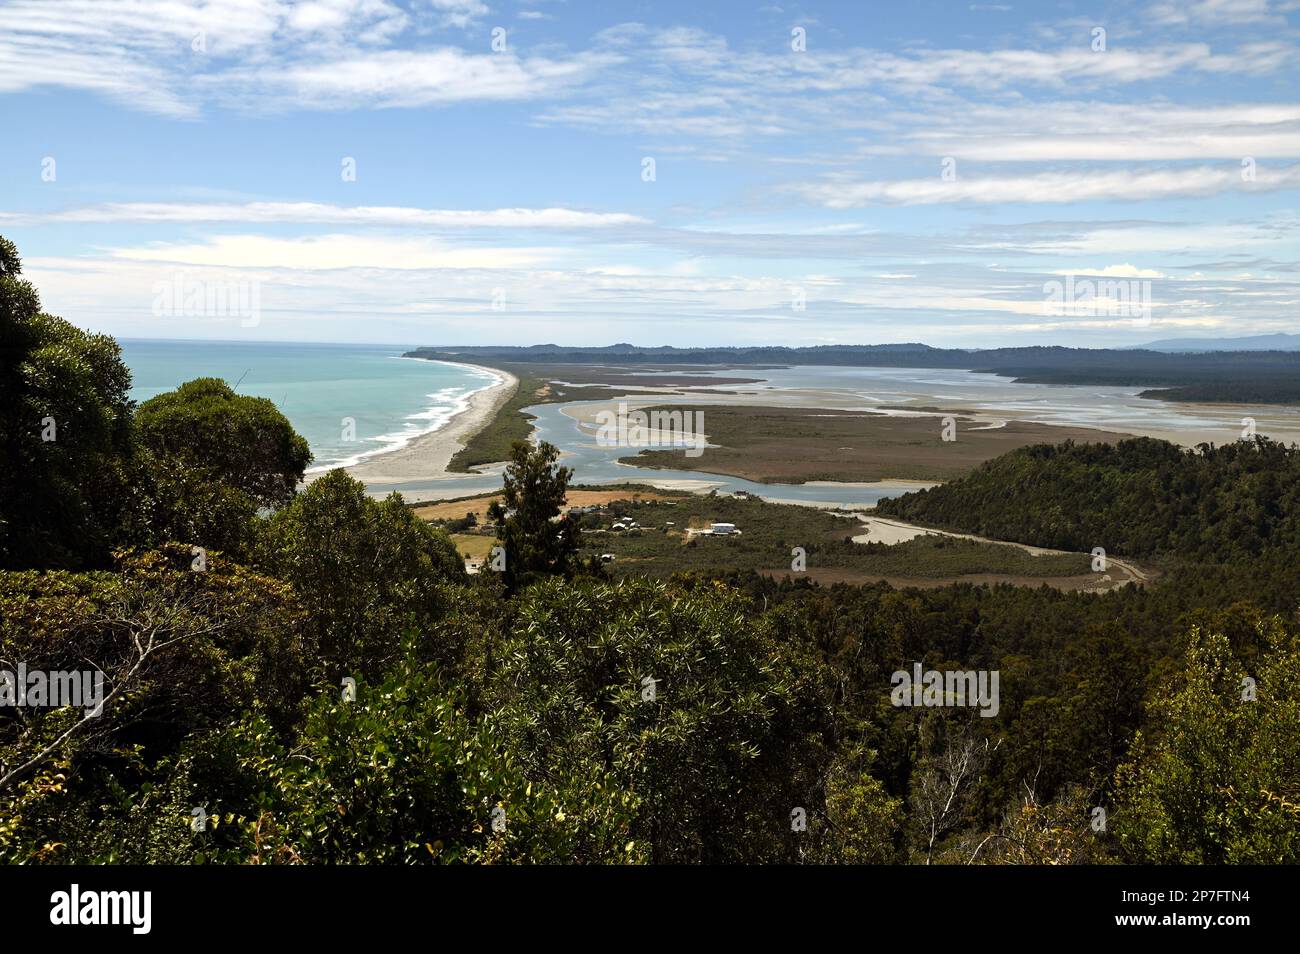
[1233, 377]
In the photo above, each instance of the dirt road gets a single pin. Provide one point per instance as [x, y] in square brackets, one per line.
[889, 531]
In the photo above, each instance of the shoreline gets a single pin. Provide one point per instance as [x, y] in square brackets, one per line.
[427, 455]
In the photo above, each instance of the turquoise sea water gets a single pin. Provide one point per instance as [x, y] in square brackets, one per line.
[390, 398]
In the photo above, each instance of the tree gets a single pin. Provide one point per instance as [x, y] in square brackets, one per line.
[1216, 777]
[206, 459]
[953, 760]
[170, 500]
[366, 571]
[861, 824]
[1138, 497]
[683, 696]
[537, 540]
[241, 441]
[65, 425]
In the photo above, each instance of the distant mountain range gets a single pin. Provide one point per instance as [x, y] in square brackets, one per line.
[1222, 376]
[1278, 342]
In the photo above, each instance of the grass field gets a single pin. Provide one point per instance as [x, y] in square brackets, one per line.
[473, 546]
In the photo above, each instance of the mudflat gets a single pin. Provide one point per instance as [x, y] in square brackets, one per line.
[801, 445]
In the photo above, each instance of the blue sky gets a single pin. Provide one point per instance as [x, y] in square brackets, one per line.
[917, 171]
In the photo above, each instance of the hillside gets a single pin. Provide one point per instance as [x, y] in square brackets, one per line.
[1140, 497]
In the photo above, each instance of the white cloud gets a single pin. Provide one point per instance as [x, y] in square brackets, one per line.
[1114, 271]
[317, 213]
[1148, 239]
[1215, 12]
[332, 17]
[1049, 187]
[399, 78]
[176, 57]
[339, 286]
[458, 12]
[733, 255]
[335, 54]
[324, 252]
[677, 82]
[1127, 132]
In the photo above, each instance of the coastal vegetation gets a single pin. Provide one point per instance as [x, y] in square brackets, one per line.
[309, 675]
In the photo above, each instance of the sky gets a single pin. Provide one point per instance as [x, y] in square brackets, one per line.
[452, 172]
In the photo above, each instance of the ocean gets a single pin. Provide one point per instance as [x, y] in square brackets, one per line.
[319, 387]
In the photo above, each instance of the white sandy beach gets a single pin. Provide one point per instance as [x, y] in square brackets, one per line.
[427, 456]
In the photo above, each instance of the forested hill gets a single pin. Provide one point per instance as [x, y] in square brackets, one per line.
[1140, 497]
[1264, 377]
